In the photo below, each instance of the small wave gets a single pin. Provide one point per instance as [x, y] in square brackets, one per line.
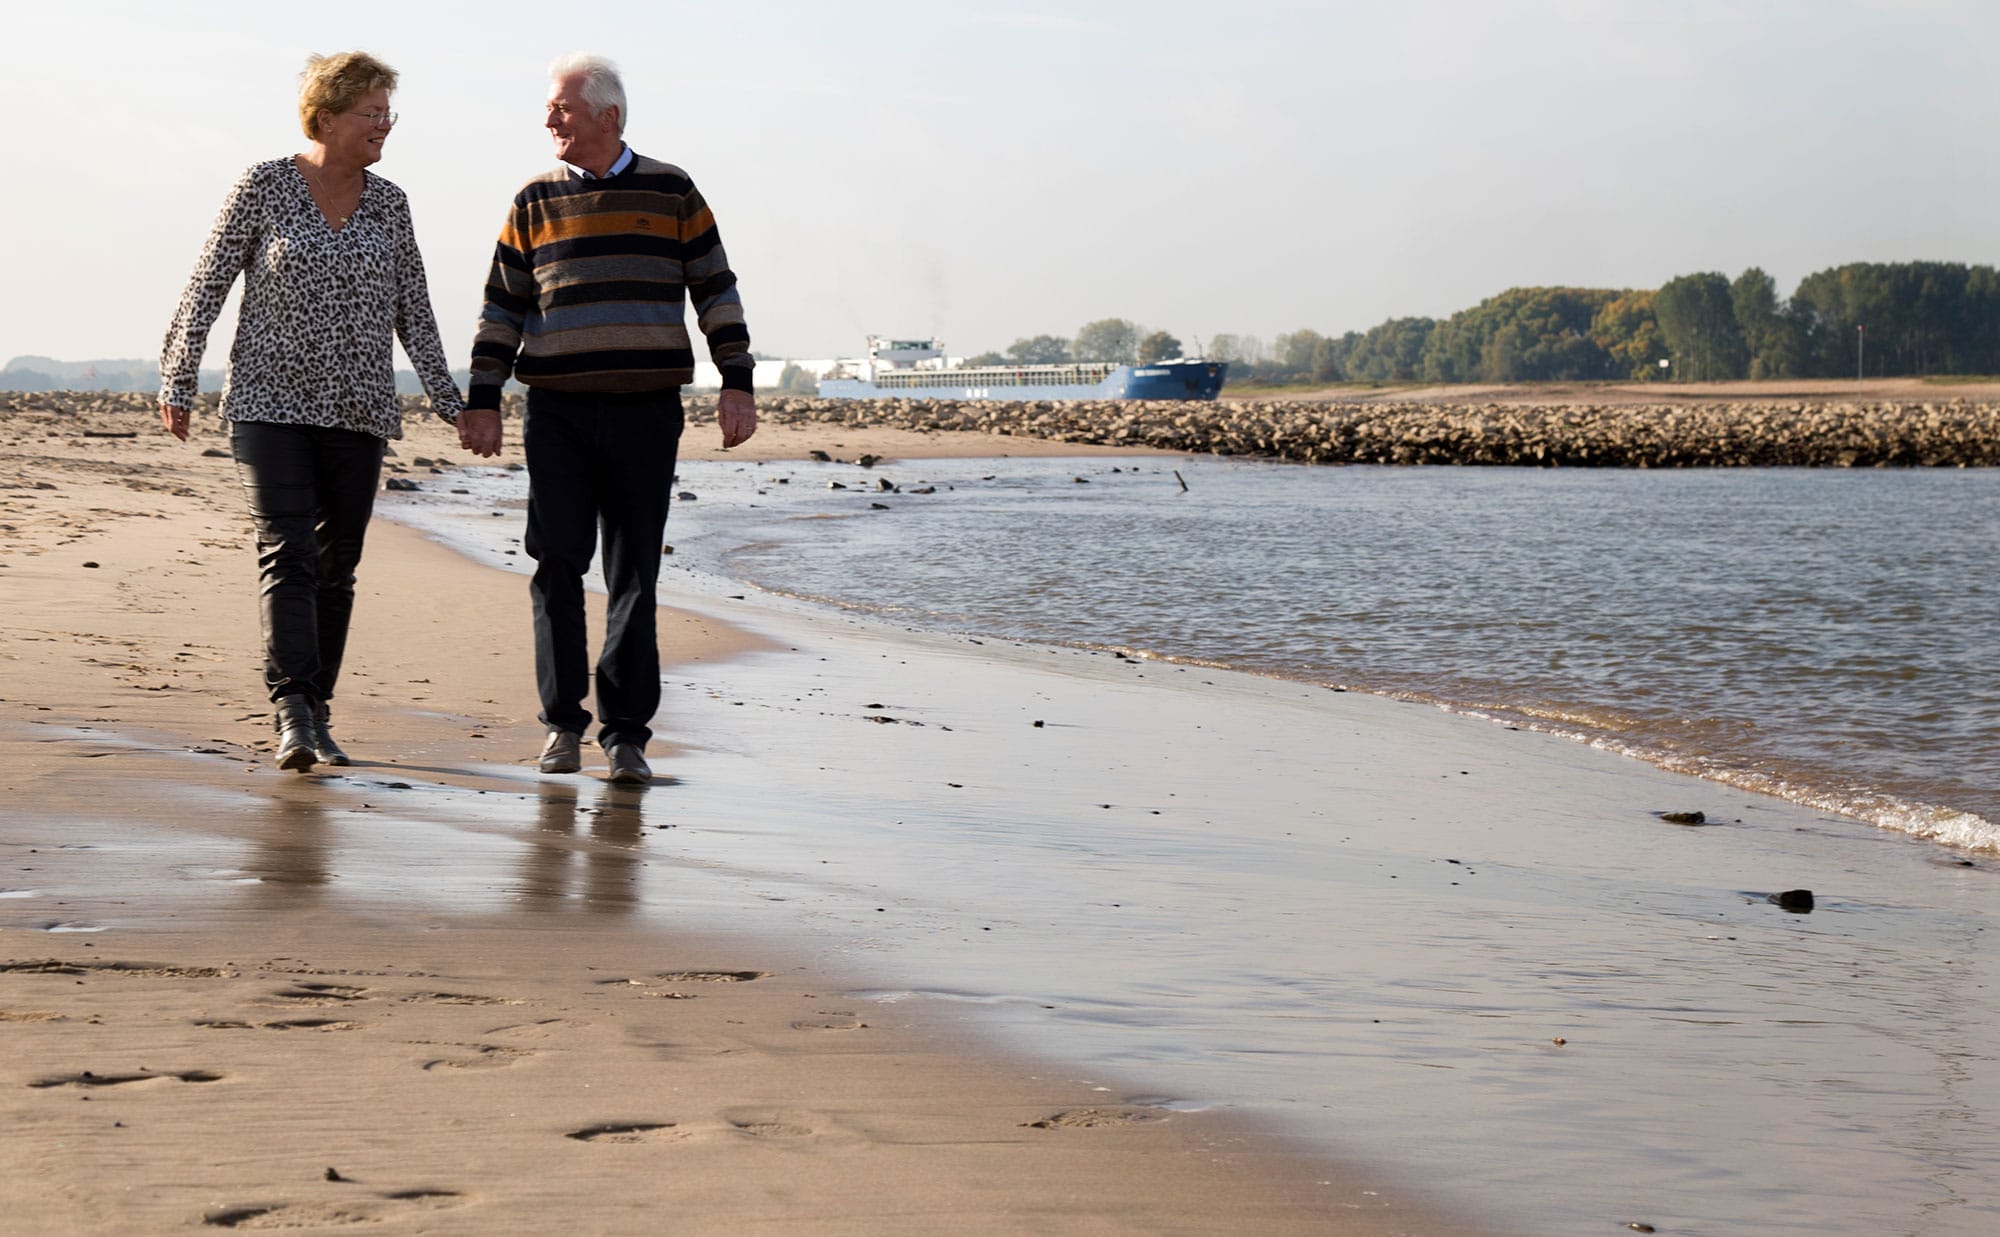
[1929, 821]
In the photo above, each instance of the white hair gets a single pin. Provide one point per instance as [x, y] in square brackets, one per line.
[602, 88]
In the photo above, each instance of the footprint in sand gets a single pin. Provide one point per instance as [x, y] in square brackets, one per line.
[771, 1123]
[459, 998]
[89, 1079]
[282, 1024]
[29, 1015]
[392, 1206]
[321, 994]
[635, 1132]
[138, 970]
[485, 1056]
[830, 1020]
[709, 977]
[1093, 1118]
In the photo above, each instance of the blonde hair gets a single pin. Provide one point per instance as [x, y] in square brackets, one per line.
[336, 83]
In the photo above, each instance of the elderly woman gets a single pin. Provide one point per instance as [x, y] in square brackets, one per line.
[331, 277]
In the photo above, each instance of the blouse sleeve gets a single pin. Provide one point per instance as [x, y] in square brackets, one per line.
[416, 324]
[223, 257]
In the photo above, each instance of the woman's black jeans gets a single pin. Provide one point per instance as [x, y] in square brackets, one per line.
[311, 490]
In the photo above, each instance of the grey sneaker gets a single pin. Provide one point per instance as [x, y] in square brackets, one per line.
[628, 765]
[563, 752]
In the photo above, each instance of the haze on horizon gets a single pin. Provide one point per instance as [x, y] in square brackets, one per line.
[987, 172]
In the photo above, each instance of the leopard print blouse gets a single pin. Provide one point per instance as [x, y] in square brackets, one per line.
[321, 309]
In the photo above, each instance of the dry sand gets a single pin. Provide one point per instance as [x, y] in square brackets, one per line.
[195, 1036]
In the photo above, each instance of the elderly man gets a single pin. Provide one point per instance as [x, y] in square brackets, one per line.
[584, 305]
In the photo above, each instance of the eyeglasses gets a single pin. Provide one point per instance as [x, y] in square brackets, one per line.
[378, 120]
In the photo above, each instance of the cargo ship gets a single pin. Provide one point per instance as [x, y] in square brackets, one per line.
[919, 369]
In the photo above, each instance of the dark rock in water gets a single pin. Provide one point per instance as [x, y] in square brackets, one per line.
[1797, 901]
[822, 457]
[925, 489]
[1684, 818]
[400, 483]
[879, 506]
[868, 461]
[835, 485]
[666, 549]
[685, 496]
[885, 485]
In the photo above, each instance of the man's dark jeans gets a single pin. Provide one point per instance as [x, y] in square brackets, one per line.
[599, 462]
[311, 490]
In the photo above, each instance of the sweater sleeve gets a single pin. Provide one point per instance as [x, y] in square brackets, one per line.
[223, 257]
[416, 323]
[510, 294]
[711, 286]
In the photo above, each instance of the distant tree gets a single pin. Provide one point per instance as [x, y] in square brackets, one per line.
[1107, 339]
[987, 358]
[1039, 350]
[1159, 346]
[797, 380]
[1293, 352]
[1629, 334]
[22, 378]
[1330, 357]
[1549, 339]
[1236, 349]
[1390, 351]
[1698, 321]
[1770, 334]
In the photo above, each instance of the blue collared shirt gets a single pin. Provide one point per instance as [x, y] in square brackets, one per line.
[623, 161]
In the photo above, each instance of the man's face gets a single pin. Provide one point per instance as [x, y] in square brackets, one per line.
[581, 139]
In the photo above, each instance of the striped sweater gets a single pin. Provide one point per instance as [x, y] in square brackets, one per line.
[589, 283]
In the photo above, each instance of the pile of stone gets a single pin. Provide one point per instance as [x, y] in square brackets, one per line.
[1828, 434]
[1732, 434]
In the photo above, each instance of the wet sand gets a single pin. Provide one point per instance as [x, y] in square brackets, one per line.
[236, 997]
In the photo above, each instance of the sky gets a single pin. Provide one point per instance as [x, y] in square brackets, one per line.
[984, 172]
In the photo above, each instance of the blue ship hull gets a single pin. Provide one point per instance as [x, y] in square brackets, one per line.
[1166, 380]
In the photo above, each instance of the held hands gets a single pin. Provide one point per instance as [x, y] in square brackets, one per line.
[174, 421]
[479, 430]
[736, 412]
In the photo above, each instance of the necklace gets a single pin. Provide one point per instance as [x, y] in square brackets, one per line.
[326, 196]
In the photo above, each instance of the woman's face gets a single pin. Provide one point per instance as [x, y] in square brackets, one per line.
[356, 136]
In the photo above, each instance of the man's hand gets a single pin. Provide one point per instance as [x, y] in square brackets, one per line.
[479, 430]
[736, 412]
[174, 421]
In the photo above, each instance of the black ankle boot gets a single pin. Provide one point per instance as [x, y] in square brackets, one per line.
[324, 747]
[297, 729]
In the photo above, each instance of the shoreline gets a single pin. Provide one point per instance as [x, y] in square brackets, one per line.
[194, 951]
[1333, 944]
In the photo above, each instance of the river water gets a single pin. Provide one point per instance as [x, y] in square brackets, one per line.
[1830, 637]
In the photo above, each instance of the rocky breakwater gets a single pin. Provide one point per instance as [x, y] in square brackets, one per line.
[1694, 435]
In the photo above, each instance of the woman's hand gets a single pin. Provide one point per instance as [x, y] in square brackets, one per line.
[174, 421]
[479, 430]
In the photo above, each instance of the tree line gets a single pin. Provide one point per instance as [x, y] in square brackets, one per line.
[1884, 319]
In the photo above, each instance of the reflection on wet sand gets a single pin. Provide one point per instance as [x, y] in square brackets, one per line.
[594, 868]
[289, 857]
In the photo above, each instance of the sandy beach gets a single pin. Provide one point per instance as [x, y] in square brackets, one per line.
[915, 931]
[218, 1010]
